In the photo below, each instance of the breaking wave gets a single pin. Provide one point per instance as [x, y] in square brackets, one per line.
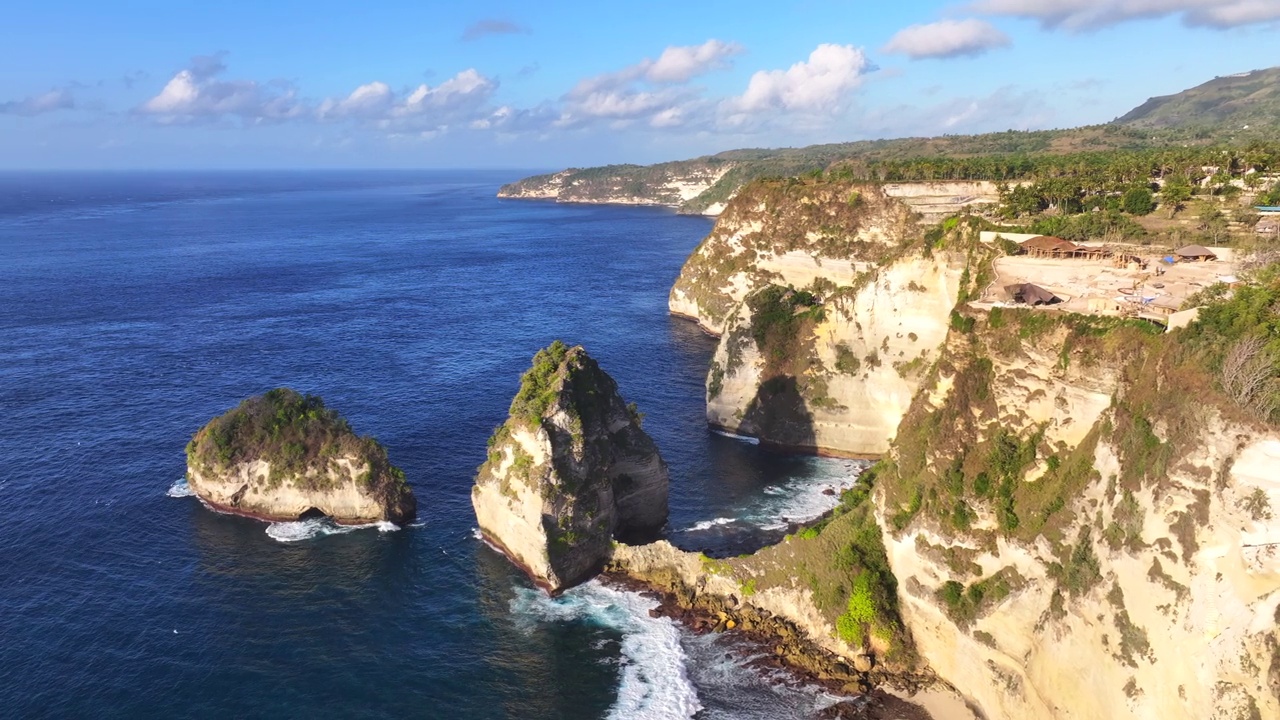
[744, 438]
[655, 684]
[298, 530]
[180, 489]
[802, 498]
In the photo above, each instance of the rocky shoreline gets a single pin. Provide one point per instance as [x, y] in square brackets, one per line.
[869, 692]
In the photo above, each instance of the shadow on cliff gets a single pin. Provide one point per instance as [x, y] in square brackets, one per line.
[779, 417]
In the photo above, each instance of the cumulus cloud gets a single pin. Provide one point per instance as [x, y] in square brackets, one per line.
[462, 99]
[819, 85]
[195, 93]
[52, 101]
[678, 64]
[493, 26]
[947, 38]
[1079, 15]
[651, 91]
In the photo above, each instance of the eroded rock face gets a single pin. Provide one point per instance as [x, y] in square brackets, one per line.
[788, 232]
[838, 375]
[283, 456]
[568, 472]
[1091, 543]
[830, 309]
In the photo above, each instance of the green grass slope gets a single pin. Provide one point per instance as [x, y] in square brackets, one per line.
[1251, 98]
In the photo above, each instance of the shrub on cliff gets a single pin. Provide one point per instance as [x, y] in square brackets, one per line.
[292, 432]
[1238, 335]
[537, 386]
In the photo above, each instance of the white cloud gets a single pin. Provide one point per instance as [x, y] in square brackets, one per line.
[650, 91]
[820, 85]
[195, 94]
[461, 100]
[1077, 15]
[679, 64]
[369, 101]
[947, 38]
[676, 65]
[59, 99]
[467, 90]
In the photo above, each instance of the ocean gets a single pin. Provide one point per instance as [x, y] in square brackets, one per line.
[134, 307]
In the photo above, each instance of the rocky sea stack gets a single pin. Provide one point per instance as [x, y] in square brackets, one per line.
[285, 456]
[568, 472]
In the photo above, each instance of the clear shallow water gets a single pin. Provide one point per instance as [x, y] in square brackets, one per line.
[134, 307]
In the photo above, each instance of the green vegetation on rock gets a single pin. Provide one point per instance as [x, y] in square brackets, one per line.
[778, 316]
[300, 438]
[538, 389]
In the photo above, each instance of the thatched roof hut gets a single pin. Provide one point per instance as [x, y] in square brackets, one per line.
[1195, 253]
[1031, 294]
[1048, 245]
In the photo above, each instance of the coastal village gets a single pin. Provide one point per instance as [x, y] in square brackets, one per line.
[1118, 279]
[1103, 279]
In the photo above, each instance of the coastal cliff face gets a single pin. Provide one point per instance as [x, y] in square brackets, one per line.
[1082, 528]
[283, 456]
[675, 185]
[837, 375]
[1076, 522]
[789, 232]
[830, 308]
[568, 472]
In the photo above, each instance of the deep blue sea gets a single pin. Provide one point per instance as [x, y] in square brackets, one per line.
[136, 306]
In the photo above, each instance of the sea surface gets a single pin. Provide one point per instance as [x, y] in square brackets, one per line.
[136, 306]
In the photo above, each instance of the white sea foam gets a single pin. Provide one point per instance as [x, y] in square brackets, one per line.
[319, 527]
[655, 683]
[180, 489]
[708, 524]
[731, 688]
[744, 438]
[806, 497]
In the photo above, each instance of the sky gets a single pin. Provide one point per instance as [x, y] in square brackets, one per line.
[496, 84]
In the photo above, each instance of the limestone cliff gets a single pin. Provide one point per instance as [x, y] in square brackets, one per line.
[836, 376]
[568, 472]
[284, 456]
[831, 306]
[789, 232]
[1077, 521]
[1081, 526]
[676, 185]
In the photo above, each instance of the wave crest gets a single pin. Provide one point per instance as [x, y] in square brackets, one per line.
[299, 530]
[180, 489]
[655, 683]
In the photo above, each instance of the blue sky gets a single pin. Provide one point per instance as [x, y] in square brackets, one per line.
[505, 84]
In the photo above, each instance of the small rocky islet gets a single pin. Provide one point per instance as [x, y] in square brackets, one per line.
[568, 472]
[284, 456]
